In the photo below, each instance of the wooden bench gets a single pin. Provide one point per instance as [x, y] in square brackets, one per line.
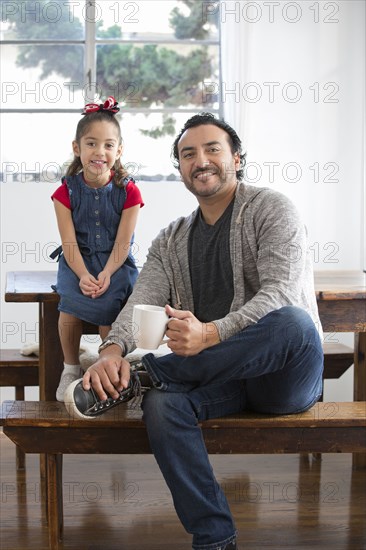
[337, 359]
[19, 371]
[46, 427]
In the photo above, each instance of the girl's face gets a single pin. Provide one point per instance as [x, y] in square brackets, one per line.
[98, 150]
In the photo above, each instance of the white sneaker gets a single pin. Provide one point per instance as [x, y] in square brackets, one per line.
[66, 379]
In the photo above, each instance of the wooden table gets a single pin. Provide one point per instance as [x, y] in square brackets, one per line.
[35, 286]
[341, 300]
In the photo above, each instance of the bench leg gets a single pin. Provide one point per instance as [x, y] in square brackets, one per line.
[359, 391]
[20, 459]
[60, 497]
[19, 454]
[359, 461]
[43, 480]
[318, 456]
[54, 500]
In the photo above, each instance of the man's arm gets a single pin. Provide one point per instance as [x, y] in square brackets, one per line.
[152, 287]
[277, 269]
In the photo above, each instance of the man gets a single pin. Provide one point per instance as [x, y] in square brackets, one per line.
[238, 285]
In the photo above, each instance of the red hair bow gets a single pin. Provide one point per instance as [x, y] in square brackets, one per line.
[110, 105]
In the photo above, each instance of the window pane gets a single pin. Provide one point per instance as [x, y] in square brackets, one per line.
[43, 20]
[146, 157]
[164, 76]
[35, 77]
[34, 147]
[169, 20]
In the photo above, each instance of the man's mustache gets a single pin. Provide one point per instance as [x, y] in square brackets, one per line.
[205, 169]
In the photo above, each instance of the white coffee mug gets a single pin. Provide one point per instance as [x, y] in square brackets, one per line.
[149, 324]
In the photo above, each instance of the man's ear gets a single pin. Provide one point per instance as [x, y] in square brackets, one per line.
[237, 160]
[75, 148]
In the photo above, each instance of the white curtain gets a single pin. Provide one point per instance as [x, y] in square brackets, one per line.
[293, 87]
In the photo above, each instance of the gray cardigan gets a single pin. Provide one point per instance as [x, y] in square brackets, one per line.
[269, 256]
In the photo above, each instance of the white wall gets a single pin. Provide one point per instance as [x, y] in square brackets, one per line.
[315, 116]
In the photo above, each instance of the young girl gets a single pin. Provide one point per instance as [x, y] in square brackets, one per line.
[96, 208]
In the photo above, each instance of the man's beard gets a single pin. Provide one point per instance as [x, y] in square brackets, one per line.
[209, 191]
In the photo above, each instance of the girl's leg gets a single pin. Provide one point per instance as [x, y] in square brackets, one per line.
[70, 331]
[104, 330]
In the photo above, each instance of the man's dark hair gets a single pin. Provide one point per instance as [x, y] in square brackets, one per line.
[209, 118]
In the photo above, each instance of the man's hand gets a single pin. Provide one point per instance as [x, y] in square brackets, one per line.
[111, 374]
[187, 335]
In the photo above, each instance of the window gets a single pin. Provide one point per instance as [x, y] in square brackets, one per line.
[158, 58]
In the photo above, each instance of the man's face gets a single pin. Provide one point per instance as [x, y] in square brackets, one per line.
[206, 163]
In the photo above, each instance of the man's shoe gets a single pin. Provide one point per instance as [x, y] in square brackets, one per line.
[86, 404]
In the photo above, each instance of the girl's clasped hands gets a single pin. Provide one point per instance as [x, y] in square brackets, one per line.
[94, 287]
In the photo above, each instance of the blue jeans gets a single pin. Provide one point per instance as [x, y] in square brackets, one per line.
[274, 366]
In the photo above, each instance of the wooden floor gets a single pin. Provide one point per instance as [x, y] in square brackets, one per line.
[121, 502]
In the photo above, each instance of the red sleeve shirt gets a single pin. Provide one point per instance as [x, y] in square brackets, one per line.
[62, 195]
[133, 197]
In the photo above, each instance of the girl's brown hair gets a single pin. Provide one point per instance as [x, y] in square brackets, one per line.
[120, 173]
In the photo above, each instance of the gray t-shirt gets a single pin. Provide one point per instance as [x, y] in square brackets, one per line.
[210, 267]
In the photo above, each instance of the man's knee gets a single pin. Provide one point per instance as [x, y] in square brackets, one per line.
[295, 322]
[161, 407]
[293, 314]
[154, 402]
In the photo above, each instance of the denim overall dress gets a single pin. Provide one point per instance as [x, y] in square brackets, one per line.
[96, 214]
